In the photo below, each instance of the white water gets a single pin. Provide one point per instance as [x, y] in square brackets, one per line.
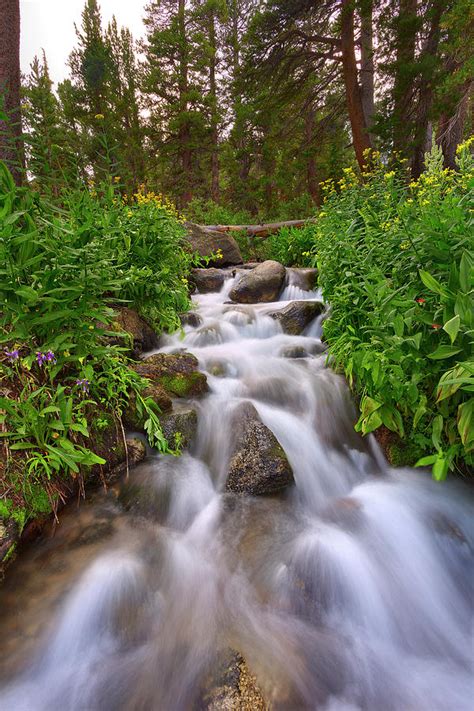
[352, 592]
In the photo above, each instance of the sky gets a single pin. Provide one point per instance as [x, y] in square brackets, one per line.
[49, 25]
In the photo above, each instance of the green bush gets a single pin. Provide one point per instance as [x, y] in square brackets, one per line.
[62, 272]
[396, 265]
[292, 246]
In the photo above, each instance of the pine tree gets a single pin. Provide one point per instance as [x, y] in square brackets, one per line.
[175, 90]
[50, 160]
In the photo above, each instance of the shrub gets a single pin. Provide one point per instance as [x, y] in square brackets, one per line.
[396, 264]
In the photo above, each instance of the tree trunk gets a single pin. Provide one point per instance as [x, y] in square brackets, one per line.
[11, 145]
[451, 127]
[403, 89]
[184, 134]
[214, 113]
[311, 172]
[360, 136]
[425, 99]
[367, 62]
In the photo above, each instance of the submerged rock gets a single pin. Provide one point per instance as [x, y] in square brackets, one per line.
[207, 280]
[262, 284]
[180, 426]
[206, 242]
[294, 352]
[190, 318]
[296, 316]
[258, 464]
[231, 686]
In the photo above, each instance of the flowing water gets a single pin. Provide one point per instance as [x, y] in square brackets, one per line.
[350, 591]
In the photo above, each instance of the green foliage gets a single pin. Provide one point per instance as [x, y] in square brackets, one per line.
[292, 246]
[396, 264]
[62, 272]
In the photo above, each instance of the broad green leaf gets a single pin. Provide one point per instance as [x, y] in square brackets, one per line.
[440, 468]
[420, 411]
[437, 429]
[465, 273]
[444, 352]
[369, 405]
[466, 422]
[431, 283]
[452, 327]
[427, 461]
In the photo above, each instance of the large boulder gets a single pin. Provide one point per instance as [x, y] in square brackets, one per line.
[263, 283]
[258, 464]
[296, 316]
[206, 242]
[180, 426]
[142, 336]
[177, 372]
[207, 280]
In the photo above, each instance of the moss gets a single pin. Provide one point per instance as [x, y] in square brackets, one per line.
[403, 455]
[184, 385]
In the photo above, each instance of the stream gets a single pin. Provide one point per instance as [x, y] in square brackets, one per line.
[349, 591]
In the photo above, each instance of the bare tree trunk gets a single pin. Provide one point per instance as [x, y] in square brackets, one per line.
[214, 113]
[403, 89]
[367, 62]
[451, 127]
[184, 134]
[360, 136]
[11, 145]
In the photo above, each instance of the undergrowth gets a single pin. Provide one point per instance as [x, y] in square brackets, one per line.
[395, 262]
[63, 271]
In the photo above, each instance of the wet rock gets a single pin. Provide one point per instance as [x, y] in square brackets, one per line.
[261, 284]
[258, 464]
[177, 373]
[180, 426]
[206, 242]
[304, 278]
[136, 450]
[9, 535]
[296, 316]
[141, 333]
[231, 687]
[294, 352]
[207, 280]
[191, 318]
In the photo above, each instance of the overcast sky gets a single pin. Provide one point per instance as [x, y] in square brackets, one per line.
[49, 24]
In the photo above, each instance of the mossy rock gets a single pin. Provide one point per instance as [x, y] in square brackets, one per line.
[177, 372]
[180, 426]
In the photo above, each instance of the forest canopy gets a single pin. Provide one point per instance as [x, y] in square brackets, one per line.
[250, 105]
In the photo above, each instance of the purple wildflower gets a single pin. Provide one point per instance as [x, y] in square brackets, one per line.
[83, 384]
[41, 358]
[12, 355]
[50, 357]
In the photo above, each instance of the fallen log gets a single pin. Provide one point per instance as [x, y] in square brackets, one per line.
[263, 230]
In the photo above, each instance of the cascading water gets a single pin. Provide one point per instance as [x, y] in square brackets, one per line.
[351, 591]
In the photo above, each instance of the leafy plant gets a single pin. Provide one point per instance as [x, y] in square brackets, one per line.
[396, 263]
